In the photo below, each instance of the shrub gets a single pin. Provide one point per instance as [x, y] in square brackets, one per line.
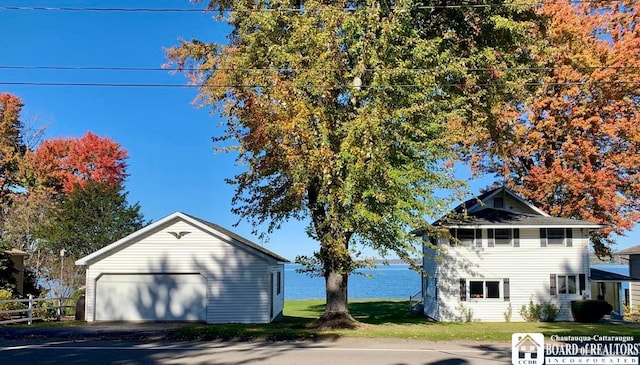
[6, 295]
[507, 313]
[546, 312]
[549, 312]
[467, 314]
[532, 312]
[632, 314]
[588, 311]
[46, 309]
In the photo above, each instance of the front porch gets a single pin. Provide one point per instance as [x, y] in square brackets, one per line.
[609, 286]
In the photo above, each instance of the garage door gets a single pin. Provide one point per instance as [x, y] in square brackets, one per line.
[151, 297]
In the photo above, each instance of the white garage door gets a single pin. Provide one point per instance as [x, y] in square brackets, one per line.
[151, 297]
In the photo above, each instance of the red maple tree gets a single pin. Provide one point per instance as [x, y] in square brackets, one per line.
[69, 162]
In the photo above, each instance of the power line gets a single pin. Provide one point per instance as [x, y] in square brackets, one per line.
[97, 84]
[273, 69]
[289, 9]
[111, 10]
[380, 87]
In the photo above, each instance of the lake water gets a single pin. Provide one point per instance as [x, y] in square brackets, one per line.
[384, 282]
[388, 282]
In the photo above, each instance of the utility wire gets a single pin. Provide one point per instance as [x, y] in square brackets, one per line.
[296, 10]
[389, 86]
[131, 68]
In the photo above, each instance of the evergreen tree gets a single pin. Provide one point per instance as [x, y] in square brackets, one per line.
[89, 218]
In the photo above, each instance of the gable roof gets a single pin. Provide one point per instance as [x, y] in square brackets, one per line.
[603, 275]
[474, 213]
[206, 226]
[477, 202]
[633, 250]
[16, 252]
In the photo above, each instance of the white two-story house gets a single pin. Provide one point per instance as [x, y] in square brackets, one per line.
[502, 254]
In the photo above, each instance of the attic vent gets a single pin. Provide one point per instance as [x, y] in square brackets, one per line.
[498, 202]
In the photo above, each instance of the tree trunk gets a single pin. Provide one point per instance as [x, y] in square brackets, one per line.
[336, 311]
[336, 291]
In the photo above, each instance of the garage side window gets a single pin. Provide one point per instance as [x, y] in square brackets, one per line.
[279, 283]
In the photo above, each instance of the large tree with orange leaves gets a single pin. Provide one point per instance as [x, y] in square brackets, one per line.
[575, 148]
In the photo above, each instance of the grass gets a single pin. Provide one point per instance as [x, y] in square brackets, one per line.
[390, 319]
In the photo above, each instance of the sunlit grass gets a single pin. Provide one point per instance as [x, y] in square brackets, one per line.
[390, 319]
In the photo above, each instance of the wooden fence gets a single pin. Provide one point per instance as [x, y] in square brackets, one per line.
[32, 309]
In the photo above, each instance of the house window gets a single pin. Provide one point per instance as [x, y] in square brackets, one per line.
[492, 289]
[465, 237]
[476, 289]
[556, 237]
[484, 289]
[567, 284]
[504, 237]
[432, 288]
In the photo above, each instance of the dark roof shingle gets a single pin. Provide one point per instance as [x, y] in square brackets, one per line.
[501, 217]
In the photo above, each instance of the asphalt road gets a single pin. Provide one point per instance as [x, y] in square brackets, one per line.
[341, 351]
[143, 345]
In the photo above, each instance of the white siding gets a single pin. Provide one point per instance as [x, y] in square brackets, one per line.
[237, 280]
[634, 294]
[277, 298]
[430, 297]
[527, 267]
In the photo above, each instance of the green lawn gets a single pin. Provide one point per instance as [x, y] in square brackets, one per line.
[390, 319]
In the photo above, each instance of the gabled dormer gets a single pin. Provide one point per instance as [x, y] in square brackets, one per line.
[496, 217]
[501, 198]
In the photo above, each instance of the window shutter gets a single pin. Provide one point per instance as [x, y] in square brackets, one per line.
[478, 238]
[569, 235]
[463, 290]
[490, 240]
[506, 290]
[583, 282]
[516, 237]
[543, 237]
[552, 284]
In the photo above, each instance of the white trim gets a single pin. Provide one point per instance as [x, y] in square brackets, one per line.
[105, 251]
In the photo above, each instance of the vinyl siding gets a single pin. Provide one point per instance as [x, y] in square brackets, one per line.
[278, 298]
[634, 294]
[238, 282]
[527, 267]
[431, 303]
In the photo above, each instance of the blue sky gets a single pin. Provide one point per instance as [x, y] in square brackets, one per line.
[172, 165]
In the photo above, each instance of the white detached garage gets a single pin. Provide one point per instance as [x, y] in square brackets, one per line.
[182, 268]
